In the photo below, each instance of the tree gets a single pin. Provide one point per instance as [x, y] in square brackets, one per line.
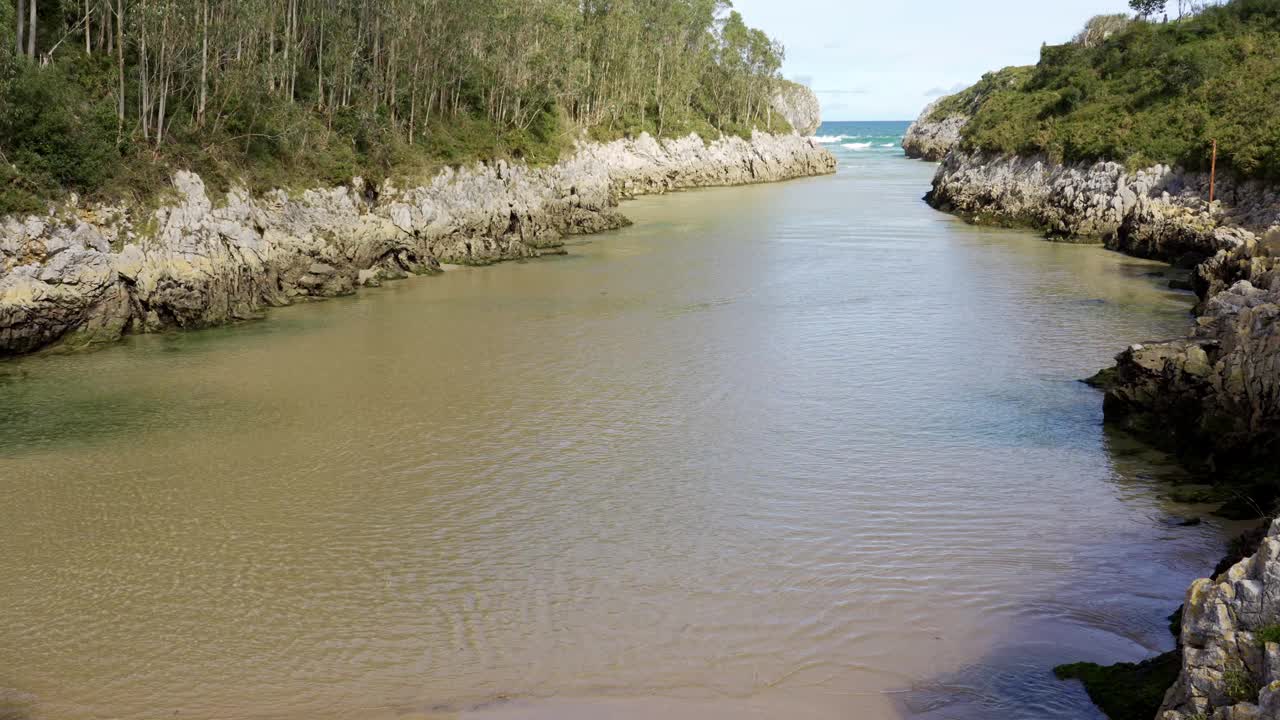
[1147, 8]
[20, 34]
[31, 30]
[358, 82]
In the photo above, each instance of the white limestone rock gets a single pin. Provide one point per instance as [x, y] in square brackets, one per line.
[60, 282]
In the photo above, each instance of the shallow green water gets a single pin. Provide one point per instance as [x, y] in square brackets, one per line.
[801, 450]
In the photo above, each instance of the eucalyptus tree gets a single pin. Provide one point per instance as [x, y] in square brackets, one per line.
[291, 77]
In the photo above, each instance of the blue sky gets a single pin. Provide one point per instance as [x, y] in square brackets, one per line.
[886, 60]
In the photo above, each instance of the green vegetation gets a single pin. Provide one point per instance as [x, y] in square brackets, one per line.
[1126, 691]
[1239, 684]
[971, 99]
[1147, 8]
[1268, 634]
[106, 97]
[1149, 92]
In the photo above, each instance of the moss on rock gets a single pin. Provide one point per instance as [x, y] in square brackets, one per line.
[1126, 691]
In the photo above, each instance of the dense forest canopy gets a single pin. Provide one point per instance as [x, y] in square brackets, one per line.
[107, 95]
[1147, 92]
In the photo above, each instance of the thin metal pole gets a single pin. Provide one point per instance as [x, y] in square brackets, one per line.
[1213, 171]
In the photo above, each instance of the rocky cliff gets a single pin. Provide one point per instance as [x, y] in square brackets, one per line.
[940, 128]
[931, 138]
[1231, 657]
[1159, 212]
[1213, 397]
[799, 105]
[85, 275]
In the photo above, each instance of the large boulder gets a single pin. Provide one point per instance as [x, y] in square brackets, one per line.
[800, 106]
[933, 135]
[1100, 28]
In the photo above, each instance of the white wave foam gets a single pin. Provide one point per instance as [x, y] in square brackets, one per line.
[889, 145]
[827, 139]
[856, 146]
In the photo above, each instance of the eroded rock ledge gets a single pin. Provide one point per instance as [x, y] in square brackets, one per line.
[1158, 213]
[83, 276]
[1214, 396]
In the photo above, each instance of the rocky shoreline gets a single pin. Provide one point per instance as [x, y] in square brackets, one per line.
[1159, 212]
[1213, 397]
[83, 276]
[1230, 642]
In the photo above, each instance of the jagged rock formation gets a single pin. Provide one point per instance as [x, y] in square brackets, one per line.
[931, 138]
[1159, 212]
[1213, 397]
[800, 106]
[1230, 660]
[198, 265]
[1100, 28]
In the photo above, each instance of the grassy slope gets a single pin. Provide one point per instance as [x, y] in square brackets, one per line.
[970, 100]
[1150, 93]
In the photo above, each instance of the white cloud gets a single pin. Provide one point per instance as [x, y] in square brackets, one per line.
[886, 61]
[939, 92]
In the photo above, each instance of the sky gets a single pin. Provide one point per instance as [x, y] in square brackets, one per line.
[886, 60]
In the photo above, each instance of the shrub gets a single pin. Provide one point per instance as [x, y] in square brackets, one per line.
[1268, 634]
[1147, 93]
[57, 136]
[1239, 684]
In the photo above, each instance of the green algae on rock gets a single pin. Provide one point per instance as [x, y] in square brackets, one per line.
[1126, 691]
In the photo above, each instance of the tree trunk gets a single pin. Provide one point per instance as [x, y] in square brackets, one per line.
[105, 38]
[204, 63]
[31, 32]
[144, 94]
[88, 28]
[162, 75]
[291, 64]
[120, 67]
[320, 64]
[22, 27]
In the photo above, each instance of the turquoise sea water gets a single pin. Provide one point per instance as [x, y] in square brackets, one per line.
[874, 139]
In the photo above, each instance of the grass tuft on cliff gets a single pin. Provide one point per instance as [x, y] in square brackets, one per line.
[1144, 93]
